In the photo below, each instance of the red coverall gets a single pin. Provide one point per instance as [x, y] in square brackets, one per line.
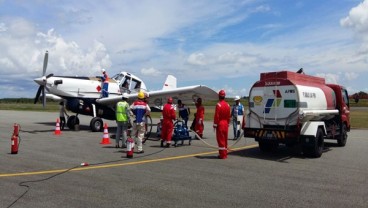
[168, 114]
[199, 120]
[221, 123]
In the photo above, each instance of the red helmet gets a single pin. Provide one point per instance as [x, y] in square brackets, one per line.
[199, 100]
[222, 93]
[169, 100]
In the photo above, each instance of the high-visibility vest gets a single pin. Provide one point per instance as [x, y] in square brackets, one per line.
[106, 78]
[122, 111]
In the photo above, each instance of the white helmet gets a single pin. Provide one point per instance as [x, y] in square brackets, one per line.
[103, 70]
[237, 98]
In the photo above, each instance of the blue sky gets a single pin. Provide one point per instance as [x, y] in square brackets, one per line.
[224, 44]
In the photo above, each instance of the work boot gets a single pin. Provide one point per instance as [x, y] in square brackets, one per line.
[162, 143]
[221, 157]
[167, 145]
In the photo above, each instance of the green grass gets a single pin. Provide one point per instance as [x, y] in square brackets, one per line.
[361, 103]
[359, 117]
[50, 107]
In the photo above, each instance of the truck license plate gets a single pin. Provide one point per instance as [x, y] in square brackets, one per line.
[269, 135]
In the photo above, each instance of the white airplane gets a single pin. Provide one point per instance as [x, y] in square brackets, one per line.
[83, 94]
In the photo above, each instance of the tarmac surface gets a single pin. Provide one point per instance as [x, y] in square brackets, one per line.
[47, 171]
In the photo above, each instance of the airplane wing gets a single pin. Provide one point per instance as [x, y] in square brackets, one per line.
[185, 94]
[159, 98]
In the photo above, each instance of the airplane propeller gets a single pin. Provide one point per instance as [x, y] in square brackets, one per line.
[42, 82]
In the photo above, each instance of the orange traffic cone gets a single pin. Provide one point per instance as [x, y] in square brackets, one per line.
[106, 137]
[57, 128]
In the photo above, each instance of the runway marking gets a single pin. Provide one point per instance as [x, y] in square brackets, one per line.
[121, 164]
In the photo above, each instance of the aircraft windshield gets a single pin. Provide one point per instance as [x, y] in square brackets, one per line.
[127, 83]
[118, 77]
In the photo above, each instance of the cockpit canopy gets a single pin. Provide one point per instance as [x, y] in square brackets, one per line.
[128, 83]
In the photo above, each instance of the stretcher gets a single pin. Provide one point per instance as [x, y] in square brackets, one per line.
[180, 133]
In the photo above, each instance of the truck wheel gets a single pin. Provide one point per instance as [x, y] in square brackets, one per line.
[317, 148]
[341, 140]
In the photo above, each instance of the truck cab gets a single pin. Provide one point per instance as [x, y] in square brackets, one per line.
[343, 119]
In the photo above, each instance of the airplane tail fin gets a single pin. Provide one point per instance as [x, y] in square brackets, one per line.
[170, 83]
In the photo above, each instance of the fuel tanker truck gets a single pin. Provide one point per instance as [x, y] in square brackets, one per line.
[294, 108]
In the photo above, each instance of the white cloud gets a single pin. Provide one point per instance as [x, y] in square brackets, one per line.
[237, 58]
[197, 59]
[25, 53]
[21, 28]
[6, 63]
[358, 21]
[358, 18]
[3, 27]
[330, 78]
[231, 92]
[150, 72]
[351, 75]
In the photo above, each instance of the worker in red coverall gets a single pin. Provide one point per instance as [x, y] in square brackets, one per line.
[199, 118]
[221, 122]
[169, 115]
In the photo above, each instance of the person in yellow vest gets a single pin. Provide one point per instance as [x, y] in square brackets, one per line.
[122, 120]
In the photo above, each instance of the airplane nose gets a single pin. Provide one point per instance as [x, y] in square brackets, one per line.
[39, 80]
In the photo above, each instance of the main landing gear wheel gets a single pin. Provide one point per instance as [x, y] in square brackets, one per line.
[96, 124]
[72, 121]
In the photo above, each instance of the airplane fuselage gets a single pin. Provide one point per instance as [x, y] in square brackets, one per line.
[80, 93]
[78, 87]
[89, 107]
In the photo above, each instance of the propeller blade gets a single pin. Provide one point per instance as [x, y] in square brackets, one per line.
[50, 75]
[43, 97]
[45, 60]
[38, 94]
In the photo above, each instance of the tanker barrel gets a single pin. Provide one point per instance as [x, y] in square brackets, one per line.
[306, 115]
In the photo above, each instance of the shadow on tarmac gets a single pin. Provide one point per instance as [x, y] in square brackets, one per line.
[281, 154]
[207, 157]
[36, 131]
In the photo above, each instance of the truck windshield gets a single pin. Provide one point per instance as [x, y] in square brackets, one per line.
[345, 96]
